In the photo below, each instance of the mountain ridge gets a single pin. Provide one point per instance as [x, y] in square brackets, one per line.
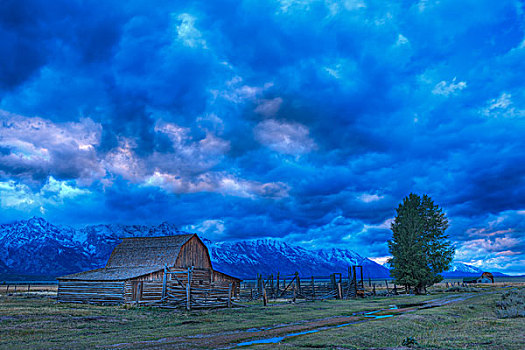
[37, 247]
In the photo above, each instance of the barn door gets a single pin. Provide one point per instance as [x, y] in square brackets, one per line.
[137, 289]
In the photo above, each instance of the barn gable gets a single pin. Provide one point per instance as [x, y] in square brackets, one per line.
[194, 253]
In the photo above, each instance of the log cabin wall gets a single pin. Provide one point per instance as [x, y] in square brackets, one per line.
[154, 276]
[194, 253]
[219, 278]
[142, 291]
[90, 291]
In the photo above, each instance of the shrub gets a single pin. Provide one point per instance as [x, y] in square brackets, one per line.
[512, 304]
[461, 289]
[410, 342]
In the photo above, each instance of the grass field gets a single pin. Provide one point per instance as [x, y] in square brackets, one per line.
[35, 321]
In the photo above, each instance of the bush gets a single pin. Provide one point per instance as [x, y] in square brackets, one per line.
[410, 342]
[461, 289]
[512, 304]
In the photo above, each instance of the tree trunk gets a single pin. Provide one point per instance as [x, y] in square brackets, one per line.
[419, 290]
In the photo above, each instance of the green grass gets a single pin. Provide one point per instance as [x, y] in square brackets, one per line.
[40, 323]
[470, 324]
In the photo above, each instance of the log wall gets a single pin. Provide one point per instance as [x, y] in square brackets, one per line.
[111, 292]
[221, 279]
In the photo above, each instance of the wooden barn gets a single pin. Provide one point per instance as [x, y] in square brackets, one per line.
[486, 277]
[146, 269]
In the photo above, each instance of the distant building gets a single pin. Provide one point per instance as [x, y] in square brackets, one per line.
[486, 277]
[138, 262]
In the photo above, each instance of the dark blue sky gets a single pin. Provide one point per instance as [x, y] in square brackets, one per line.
[306, 120]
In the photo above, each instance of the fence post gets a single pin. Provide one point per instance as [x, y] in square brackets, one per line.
[28, 287]
[265, 299]
[278, 290]
[313, 288]
[386, 282]
[294, 291]
[298, 282]
[230, 295]
[339, 291]
[7, 290]
[164, 282]
[188, 297]
[354, 277]
[374, 290]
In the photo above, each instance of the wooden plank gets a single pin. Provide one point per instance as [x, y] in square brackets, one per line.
[188, 297]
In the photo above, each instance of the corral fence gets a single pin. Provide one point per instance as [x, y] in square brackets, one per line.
[182, 289]
[293, 286]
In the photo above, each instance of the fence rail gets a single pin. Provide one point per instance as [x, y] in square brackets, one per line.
[294, 287]
[189, 289]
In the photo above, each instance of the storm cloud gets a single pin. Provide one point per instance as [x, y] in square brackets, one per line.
[302, 120]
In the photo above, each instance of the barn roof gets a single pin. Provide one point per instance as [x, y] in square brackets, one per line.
[147, 251]
[112, 274]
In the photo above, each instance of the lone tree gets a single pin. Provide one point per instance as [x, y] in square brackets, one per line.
[420, 248]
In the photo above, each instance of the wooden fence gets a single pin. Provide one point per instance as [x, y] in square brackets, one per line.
[294, 287]
[190, 289]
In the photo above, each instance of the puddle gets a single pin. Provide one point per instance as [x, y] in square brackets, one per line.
[276, 340]
[371, 315]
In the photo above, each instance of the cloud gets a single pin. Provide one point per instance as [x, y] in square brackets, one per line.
[210, 229]
[442, 88]
[53, 193]
[316, 126]
[217, 182]
[286, 138]
[269, 108]
[187, 33]
[367, 198]
[35, 148]
[502, 107]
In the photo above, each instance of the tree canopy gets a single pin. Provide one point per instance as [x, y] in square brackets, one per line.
[420, 248]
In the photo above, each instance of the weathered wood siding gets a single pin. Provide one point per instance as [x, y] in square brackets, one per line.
[90, 291]
[142, 291]
[222, 279]
[194, 253]
[154, 276]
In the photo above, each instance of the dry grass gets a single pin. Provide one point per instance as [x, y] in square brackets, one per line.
[35, 321]
[470, 324]
[512, 304]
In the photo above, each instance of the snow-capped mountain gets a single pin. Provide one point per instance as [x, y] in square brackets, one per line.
[36, 247]
[247, 258]
[458, 269]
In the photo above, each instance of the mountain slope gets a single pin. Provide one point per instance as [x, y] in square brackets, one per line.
[36, 247]
[247, 258]
[458, 269]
